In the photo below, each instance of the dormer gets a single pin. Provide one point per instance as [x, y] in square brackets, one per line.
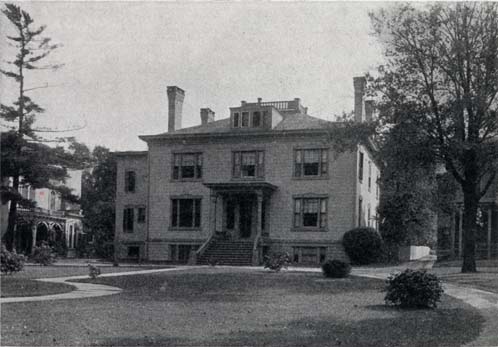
[262, 115]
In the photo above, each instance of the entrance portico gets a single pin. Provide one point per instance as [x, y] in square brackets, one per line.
[239, 210]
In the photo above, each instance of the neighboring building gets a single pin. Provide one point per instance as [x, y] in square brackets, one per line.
[450, 227]
[53, 220]
[232, 190]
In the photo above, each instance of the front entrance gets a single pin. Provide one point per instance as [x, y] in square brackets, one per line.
[245, 221]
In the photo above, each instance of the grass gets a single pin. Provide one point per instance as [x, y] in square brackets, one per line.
[229, 307]
[485, 279]
[12, 286]
[38, 271]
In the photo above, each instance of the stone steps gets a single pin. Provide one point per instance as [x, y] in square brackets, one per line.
[235, 253]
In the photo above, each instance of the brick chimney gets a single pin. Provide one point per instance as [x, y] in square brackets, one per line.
[175, 105]
[207, 116]
[360, 84]
[369, 109]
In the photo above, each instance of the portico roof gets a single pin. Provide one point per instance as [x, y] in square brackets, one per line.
[241, 187]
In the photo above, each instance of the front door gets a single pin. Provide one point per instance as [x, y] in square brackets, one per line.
[245, 221]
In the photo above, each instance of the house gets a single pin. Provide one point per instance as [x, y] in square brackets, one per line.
[229, 191]
[52, 220]
[450, 227]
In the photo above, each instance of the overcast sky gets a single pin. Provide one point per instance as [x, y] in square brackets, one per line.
[120, 56]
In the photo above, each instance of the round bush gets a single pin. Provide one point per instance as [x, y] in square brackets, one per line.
[413, 289]
[363, 245]
[336, 269]
[10, 261]
[43, 255]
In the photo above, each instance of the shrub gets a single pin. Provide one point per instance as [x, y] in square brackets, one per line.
[10, 261]
[413, 289]
[276, 261]
[336, 269]
[93, 271]
[363, 245]
[43, 255]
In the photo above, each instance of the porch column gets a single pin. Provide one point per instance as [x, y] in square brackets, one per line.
[259, 212]
[490, 219]
[452, 233]
[460, 232]
[259, 218]
[33, 240]
[212, 213]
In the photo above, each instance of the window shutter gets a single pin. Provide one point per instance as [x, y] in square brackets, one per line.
[236, 164]
[297, 163]
[324, 161]
[261, 164]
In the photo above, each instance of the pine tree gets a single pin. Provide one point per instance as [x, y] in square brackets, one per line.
[25, 157]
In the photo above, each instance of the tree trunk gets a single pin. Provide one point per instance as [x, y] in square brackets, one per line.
[471, 204]
[12, 221]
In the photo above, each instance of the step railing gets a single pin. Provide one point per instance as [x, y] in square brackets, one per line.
[196, 255]
[255, 249]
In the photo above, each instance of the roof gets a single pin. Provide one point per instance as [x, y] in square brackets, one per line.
[130, 153]
[295, 121]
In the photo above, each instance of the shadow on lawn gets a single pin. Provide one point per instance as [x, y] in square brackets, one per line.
[442, 328]
[446, 327]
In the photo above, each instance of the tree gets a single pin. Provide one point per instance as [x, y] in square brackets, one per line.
[26, 158]
[98, 199]
[441, 73]
[408, 202]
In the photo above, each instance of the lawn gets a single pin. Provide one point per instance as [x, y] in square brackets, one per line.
[23, 284]
[229, 307]
[13, 286]
[485, 279]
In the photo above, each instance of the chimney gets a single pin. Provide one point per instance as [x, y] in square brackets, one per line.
[369, 109]
[207, 116]
[175, 105]
[359, 92]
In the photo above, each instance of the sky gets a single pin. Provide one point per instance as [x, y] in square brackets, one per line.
[119, 57]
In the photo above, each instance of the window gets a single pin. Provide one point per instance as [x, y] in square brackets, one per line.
[181, 253]
[256, 119]
[310, 162]
[310, 212]
[187, 165]
[245, 119]
[128, 217]
[360, 168]
[133, 251]
[368, 216]
[130, 181]
[360, 211]
[377, 182]
[369, 175]
[248, 164]
[186, 213]
[236, 120]
[141, 215]
[53, 198]
[309, 255]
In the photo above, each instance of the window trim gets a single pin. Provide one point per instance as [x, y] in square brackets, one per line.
[141, 221]
[361, 159]
[322, 218]
[259, 170]
[127, 181]
[323, 163]
[126, 220]
[198, 175]
[172, 207]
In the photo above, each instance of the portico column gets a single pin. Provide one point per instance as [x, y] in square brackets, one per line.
[460, 232]
[259, 218]
[490, 219]
[33, 240]
[259, 211]
[212, 213]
